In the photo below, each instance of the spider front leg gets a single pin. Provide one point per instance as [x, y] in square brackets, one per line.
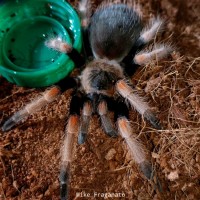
[48, 96]
[85, 120]
[71, 132]
[105, 120]
[126, 131]
[137, 102]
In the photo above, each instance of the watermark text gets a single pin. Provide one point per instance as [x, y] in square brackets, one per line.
[104, 195]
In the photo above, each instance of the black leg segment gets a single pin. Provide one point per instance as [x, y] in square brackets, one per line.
[64, 180]
[77, 58]
[76, 104]
[149, 116]
[120, 108]
[71, 131]
[121, 116]
[68, 83]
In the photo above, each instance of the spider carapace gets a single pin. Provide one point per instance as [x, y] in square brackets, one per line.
[115, 37]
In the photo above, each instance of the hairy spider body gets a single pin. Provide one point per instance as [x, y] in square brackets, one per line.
[100, 77]
[114, 30]
[116, 37]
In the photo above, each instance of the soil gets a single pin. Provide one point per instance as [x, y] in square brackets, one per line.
[30, 153]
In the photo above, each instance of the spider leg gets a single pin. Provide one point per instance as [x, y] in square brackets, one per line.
[137, 102]
[106, 122]
[84, 8]
[134, 60]
[85, 120]
[126, 131]
[48, 96]
[149, 32]
[71, 131]
[58, 44]
[159, 52]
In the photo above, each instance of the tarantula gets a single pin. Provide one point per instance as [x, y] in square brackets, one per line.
[115, 36]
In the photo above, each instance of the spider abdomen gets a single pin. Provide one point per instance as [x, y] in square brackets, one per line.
[113, 31]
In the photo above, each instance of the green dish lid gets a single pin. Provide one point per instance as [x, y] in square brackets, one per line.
[25, 26]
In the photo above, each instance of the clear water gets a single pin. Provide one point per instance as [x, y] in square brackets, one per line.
[26, 47]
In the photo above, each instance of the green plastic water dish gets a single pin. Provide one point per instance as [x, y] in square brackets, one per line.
[25, 26]
[28, 52]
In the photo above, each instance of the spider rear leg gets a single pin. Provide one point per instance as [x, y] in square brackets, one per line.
[149, 32]
[105, 120]
[85, 120]
[147, 35]
[136, 59]
[137, 102]
[62, 46]
[126, 131]
[71, 131]
[159, 52]
[84, 8]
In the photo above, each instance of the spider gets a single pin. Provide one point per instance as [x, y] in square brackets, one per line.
[115, 37]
